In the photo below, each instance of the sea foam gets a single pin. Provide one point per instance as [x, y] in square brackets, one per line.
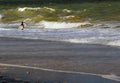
[112, 77]
[1, 16]
[29, 8]
[66, 32]
[66, 10]
[36, 8]
[59, 25]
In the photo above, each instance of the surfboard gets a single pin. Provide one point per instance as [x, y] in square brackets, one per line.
[20, 27]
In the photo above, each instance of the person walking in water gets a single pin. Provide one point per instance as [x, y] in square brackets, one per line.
[22, 25]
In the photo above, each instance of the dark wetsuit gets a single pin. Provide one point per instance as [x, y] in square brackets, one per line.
[22, 24]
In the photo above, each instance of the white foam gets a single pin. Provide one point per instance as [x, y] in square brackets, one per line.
[62, 31]
[3, 29]
[29, 8]
[66, 10]
[21, 9]
[51, 9]
[36, 8]
[114, 43]
[71, 16]
[95, 41]
[67, 17]
[1, 16]
[77, 40]
[59, 25]
[112, 77]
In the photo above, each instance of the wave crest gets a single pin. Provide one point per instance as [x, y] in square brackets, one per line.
[1, 16]
[37, 8]
[58, 25]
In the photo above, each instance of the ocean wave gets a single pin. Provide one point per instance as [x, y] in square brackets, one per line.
[66, 10]
[29, 8]
[1, 16]
[59, 25]
[37, 8]
[37, 14]
[114, 43]
[66, 32]
[95, 40]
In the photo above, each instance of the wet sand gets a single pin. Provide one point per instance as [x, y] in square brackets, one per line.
[87, 58]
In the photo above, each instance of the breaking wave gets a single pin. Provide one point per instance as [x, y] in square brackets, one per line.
[92, 33]
[59, 25]
[38, 14]
[1, 16]
[38, 8]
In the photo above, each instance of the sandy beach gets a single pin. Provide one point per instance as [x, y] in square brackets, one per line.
[87, 58]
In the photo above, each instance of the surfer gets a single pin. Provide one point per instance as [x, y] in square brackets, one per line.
[22, 24]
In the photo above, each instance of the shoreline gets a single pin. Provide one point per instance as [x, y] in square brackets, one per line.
[59, 71]
[62, 56]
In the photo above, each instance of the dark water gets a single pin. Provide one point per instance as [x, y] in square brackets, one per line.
[39, 76]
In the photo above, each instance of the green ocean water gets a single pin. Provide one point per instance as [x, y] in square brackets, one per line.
[104, 11]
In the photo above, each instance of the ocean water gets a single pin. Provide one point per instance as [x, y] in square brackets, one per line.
[104, 33]
[65, 30]
[55, 76]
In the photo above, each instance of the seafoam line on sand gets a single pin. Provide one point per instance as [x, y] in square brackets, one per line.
[60, 71]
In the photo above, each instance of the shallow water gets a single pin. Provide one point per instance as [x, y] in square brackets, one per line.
[106, 33]
[53, 77]
[99, 33]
